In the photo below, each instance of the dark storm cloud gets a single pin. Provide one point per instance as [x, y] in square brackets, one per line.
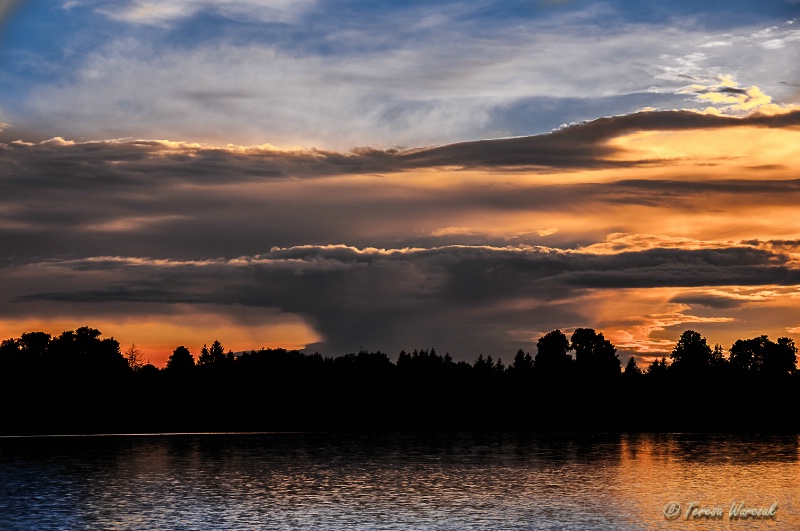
[404, 298]
[145, 161]
[709, 301]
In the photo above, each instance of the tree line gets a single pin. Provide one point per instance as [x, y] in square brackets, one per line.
[80, 382]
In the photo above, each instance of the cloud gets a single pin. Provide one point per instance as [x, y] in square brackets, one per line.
[399, 298]
[642, 339]
[379, 78]
[186, 200]
[738, 297]
[584, 145]
[164, 13]
[587, 145]
[473, 247]
[730, 98]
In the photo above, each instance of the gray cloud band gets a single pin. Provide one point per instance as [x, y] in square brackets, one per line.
[383, 298]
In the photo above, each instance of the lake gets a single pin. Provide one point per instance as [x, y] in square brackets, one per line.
[400, 481]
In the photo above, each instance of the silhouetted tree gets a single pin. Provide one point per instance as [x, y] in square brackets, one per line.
[424, 362]
[551, 357]
[205, 356]
[35, 344]
[135, 357]
[522, 364]
[631, 369]
[10, 357]
[658, 368]
[691, 354]
[148, 372]
[363, 363]
[29, 352]
[483, 365]
[84, 351]
[181, 360]
[595, 356]
[10, 348]
[403, 360]
[217, 352]
[782, 359]
[76, 373]
[213, 356]
[743, 353]
[760, 355]
[718, 360]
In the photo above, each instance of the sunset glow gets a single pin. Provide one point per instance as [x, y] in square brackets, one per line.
[415, 177]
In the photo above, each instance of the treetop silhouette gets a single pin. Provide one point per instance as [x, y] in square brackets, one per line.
[81, 373]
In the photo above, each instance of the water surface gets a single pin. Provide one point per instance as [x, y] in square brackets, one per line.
[395, 481]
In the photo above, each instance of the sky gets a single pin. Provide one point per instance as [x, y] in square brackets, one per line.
[343, 175]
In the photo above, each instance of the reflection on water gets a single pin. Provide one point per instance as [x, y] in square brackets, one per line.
[335, 481]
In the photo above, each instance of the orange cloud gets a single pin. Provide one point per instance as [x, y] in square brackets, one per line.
[648, 321]
[728, 148]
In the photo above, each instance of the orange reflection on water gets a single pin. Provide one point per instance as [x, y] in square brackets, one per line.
[680, 472]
